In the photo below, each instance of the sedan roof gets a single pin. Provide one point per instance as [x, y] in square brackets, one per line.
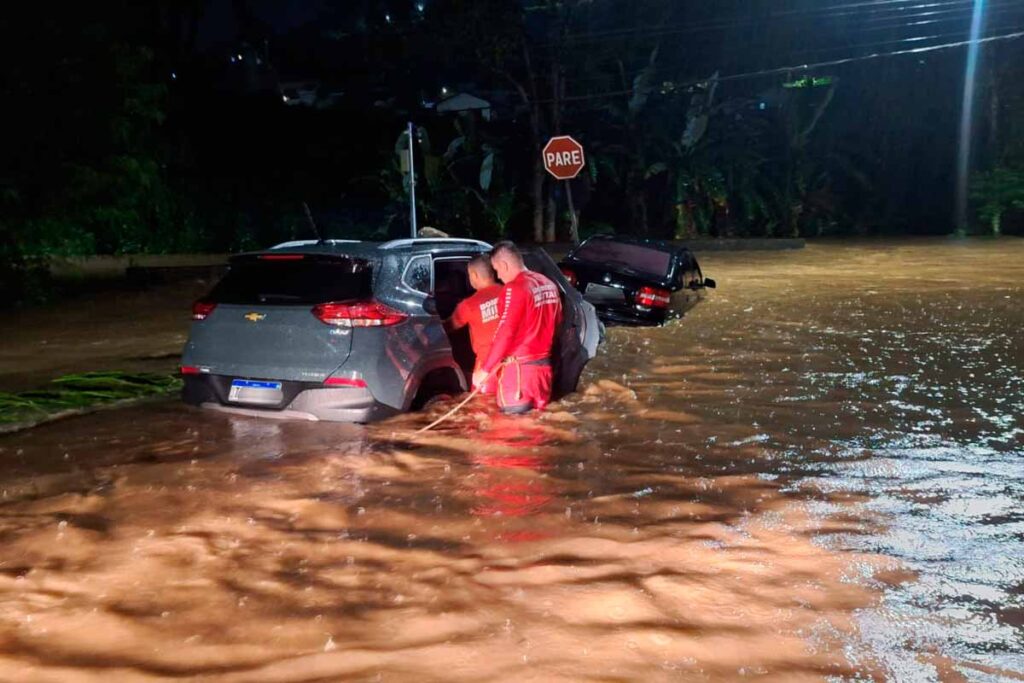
[660, 245]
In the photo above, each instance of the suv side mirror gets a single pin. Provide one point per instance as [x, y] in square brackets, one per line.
[430, 305]
[709, 283]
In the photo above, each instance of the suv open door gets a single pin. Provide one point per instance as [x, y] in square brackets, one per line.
[579, 333]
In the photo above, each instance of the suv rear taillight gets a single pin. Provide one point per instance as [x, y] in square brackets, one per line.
[654, 297]
[361, 314]
[570, 275]
[356, 382]
[202, 309]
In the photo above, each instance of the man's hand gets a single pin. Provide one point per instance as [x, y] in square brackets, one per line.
[479, 377]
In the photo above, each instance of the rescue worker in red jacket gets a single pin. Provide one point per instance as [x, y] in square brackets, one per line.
[521, 353]
[480, 312]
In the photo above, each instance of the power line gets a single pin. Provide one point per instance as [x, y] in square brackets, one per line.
[929, 16]
[872, 29]
[739, 21]
[1011, 24]
[899, 41]
[873, 3]
[804, 67]
[834, 48]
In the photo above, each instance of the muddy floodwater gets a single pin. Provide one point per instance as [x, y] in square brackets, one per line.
[817, 474]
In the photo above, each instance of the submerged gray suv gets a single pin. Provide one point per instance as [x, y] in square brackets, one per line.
[352, 331]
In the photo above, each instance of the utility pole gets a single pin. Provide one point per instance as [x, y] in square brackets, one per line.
[412, 184]
[574, 221]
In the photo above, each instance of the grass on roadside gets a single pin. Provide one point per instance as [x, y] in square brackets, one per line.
[82, 391]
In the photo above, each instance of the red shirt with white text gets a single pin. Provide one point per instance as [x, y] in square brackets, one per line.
[481, 312]
[530, 318]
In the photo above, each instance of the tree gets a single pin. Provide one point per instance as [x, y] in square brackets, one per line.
[996, 192]
[494, 33]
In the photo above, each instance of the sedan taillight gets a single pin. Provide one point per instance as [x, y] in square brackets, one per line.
[361, 314]
[654, 297]
[202, 309]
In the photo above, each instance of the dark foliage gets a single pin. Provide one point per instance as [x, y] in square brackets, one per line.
[160, 126]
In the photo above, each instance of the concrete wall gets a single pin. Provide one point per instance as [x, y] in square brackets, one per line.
[113, 267]
[158, 267]
[751, 244]
[745, 244]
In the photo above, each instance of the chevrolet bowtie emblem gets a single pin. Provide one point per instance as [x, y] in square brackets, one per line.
[255, 317]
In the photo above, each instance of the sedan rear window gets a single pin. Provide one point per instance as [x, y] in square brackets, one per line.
[293, 281]
[632, 256]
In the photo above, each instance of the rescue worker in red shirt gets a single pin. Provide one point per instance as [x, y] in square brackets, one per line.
[480, 312]
[521, 353]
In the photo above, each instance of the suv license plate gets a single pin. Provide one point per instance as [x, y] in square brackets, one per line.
[255, 391]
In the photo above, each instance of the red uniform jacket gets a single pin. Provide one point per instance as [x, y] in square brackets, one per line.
[532, 312]
[481, 312]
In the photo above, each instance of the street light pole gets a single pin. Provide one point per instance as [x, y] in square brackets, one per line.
[412, 185]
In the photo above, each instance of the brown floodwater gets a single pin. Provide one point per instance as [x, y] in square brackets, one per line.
[818, 474]
[128, 329]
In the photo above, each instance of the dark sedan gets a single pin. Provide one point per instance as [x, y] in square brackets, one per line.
[635, 281]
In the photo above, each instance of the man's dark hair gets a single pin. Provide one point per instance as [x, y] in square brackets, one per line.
[507, 248]
[481, 263]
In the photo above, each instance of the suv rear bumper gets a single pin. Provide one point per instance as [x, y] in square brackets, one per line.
[301, 400]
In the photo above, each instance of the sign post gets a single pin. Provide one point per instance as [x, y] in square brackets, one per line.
[563, 158]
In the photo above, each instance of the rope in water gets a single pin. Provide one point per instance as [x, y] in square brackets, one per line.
[453, 410]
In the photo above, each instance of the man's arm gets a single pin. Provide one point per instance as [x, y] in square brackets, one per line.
[459, 318]
[508, 326]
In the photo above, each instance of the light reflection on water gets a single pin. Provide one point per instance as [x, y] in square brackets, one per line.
[818, 473]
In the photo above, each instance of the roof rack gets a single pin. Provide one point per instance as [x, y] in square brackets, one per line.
[307, 243]
[398, 244]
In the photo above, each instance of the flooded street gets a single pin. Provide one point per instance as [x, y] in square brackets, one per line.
[131, 330]
[817, 474]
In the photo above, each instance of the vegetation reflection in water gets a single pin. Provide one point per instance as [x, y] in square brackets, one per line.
[816, 473]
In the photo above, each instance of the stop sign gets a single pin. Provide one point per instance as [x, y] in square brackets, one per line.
[563, 157]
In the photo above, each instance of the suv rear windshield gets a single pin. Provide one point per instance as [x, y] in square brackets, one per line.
[632, 256]
[293, 281]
